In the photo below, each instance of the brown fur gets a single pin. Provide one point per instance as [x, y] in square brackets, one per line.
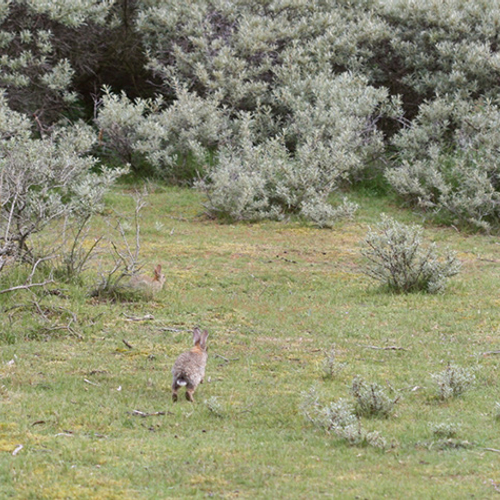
[189, 367]
[149, 283]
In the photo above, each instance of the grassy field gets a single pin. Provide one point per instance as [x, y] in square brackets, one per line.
[274, 297]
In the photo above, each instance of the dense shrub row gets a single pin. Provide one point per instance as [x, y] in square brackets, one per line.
[271, 106]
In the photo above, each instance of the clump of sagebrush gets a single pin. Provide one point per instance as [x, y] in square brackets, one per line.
[454, 381]
[496, 411]
[114, 282]
[399, 260]
[35, 68]
[329, 137]
[49, 186]
[177, 140]
[448, 161]
[444, 430]
[215, 407]
[371, 399]
[339, 417]
[331, 366]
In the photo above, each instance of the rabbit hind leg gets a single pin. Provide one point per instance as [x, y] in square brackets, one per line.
[189, 393]
[175, 388]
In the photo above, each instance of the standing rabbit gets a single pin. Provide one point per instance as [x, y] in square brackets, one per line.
[189, 367]
[147, 283]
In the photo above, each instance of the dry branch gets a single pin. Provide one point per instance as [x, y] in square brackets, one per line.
[19, 447]
[147, 317]
[388, 348]
[144, 415]
[130, 346]
[227, 360]
[25, 287]
[491, 449]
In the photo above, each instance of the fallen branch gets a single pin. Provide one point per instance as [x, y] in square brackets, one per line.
[25, 287]
[127, 344]
[487, 353]
[227, 360]
[147, 317]
[19, 447]
[491, 449]
[144, 415]
[89, 382]
[49, 329]
[388, 348]
[175, 330]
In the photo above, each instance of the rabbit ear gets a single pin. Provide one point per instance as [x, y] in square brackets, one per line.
[196, 335]
[203, 339]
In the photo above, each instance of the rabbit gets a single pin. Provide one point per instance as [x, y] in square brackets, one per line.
[189, 367]
[149, 283]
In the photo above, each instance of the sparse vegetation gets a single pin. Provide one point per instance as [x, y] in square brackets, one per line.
[454, 381]
[81, 377]
[398, 259]
[444, 430]
[332, 367]
[309, 120]
[371, 400]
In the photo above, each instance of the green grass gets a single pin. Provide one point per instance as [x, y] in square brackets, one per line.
[274, 297]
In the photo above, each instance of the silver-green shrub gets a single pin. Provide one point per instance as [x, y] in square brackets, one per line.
[171, 138]
[438, 48]
[454, 381]
[371, 399]
[44, 180]
[444, 430]
[398, 259]
[329, 136]
[313, 122]
[331, 365]
[119, 120]
[449, 161]
[496, 411]
[339, 417]
[40, 46]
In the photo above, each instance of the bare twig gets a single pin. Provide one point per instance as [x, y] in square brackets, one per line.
[147, 317]
[227, 360]
[54, 328]
[388, 348]
[130, 346]
[144, 415]
[491, 449]
[89, 382]
[26, 287]
[487, 353]
[19, 447]
[175, 330]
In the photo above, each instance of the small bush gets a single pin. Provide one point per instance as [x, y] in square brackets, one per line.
[454, 381]
[49, 185]
[398, 259]
[340, 418]
[371, 399]
[444, 430]
[448, 161]
[331, 366]
[215, 407]
[496, 411]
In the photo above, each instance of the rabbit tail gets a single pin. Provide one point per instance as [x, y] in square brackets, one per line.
[181, 382]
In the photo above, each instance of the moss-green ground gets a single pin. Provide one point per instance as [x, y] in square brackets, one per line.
[274, 296]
